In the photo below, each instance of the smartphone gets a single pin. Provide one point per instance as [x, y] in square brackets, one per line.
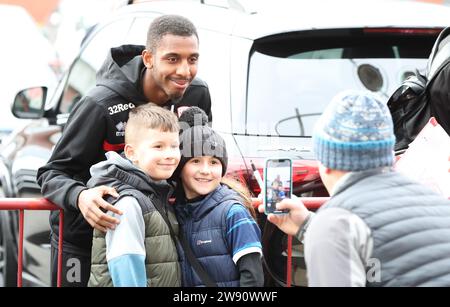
[277, 183]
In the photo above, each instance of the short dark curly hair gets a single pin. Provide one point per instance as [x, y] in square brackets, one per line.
[168, 24]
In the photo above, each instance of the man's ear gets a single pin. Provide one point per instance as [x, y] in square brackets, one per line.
[130, 153]
[147, 58]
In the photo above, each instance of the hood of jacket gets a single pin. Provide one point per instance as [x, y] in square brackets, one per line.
[203, 207]
[117, 171]
[121, 72]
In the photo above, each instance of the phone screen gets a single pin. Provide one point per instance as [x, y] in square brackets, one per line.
[278, 183]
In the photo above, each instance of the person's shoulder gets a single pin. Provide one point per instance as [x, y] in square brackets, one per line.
[110, 105]
[88, 106]
[128, 204]
[237, 211]
[334, 221]
[237, 206]
[199, 83]
[104, 96]
[93, 101]
[333, 213]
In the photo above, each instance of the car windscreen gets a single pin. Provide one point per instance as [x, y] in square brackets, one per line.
[292, 77]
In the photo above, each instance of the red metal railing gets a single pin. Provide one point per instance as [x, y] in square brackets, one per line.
[23, 204]
[312, 203]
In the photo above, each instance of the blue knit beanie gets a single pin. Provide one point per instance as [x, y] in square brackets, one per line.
[355, 133]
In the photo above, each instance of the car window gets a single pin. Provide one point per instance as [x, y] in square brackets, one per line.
[82, 75]
[138, 30]
[291, 80]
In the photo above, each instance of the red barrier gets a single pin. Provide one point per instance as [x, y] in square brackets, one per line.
[23, 204]
[312, 203]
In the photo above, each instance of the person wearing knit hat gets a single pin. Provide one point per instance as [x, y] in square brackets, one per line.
[202, 141]
[215, 214]
[198, 139]
[355, 133]
[378, 228]
[192, 116]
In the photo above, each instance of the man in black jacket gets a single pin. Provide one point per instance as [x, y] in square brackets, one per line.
[163, 72]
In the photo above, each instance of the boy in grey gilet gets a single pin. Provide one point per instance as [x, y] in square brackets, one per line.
[140, 250]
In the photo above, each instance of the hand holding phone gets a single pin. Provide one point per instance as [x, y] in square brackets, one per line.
[277, 183]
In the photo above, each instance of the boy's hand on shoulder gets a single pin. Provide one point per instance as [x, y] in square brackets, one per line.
[89, 203]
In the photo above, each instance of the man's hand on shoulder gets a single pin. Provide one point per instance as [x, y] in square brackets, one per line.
[89, 203]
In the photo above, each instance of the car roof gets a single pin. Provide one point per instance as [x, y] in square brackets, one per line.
[254, 19]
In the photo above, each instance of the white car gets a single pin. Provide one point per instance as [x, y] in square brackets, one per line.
[26, 57]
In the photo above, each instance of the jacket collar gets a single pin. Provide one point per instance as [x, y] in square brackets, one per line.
[201, 208]
[352, 178]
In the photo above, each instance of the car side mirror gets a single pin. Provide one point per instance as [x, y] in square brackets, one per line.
[29, 103]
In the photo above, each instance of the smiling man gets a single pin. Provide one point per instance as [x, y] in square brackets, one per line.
[162, 72]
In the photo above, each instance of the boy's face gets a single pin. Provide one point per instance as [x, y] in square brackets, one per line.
[155, 152]
[174, 65]
[201, 176]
